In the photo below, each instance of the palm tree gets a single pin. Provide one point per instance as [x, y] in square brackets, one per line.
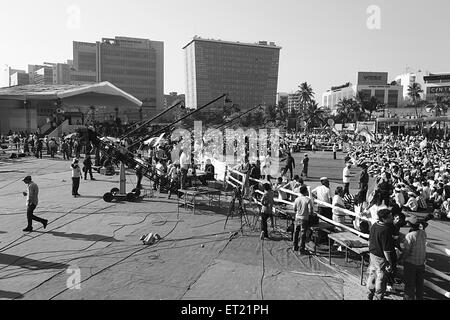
[372, 105]
[348, 110]
[313, 115]
[306, 94]
[414, 91]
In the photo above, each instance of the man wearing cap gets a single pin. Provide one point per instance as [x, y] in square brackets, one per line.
[32, 202]
[323, 193]
[413, 256]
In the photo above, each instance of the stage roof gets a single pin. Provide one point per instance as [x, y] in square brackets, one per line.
[98, 94]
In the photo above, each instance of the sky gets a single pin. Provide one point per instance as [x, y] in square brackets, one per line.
[324, 42]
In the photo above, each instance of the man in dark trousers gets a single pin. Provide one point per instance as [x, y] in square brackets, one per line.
[364, 181]
[32, 202]
[305, 166]
[290, 165]
[87, 167]
[139, 173]
[381, 246]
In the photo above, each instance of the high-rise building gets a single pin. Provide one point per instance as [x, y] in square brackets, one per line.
[370, 84]
[134, 65]
[40, 74]
[62, 73]
[19, 79]
[293, 102]
[248, 72]
[84, 68]
[408, 79]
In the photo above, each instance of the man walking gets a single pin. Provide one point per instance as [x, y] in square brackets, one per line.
[32, 202]
[414, 256]
[381, 246]
[290, 165]
[303, 208]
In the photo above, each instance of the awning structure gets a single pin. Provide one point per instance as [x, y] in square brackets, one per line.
[405, 120]
[99, 94]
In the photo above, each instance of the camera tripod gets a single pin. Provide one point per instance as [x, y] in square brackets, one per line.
[238, 209]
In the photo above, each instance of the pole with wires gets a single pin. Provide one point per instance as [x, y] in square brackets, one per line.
[180, 102]
[177, 121]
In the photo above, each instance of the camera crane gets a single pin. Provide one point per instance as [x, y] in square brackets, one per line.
[123, 156]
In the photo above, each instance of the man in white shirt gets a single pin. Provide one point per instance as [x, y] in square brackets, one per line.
[323, 193]
[184, 166]
[346, 176]
[32, 201]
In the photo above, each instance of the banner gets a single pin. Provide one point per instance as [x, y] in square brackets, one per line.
[349, 127]
[367, 125]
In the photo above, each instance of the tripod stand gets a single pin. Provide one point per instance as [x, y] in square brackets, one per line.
[238, 209]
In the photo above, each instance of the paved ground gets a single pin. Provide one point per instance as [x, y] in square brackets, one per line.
[195, 259]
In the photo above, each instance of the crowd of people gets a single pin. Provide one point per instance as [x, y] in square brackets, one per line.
[409, 175]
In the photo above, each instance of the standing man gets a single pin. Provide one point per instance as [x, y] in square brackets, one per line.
[414, 256]
[184, 165]
[335, 147]
[32, 201]
[381, 246]
[65, 150]
[303, 208]
[323, 193]
[364, 181]
[266, 209]
[346, 176]
[87, 167]
[305, 166]
[76, 176]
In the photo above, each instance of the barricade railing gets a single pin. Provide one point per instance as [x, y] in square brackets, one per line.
[363, 235]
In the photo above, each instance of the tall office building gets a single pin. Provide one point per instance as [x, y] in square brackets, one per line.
[84, 63]
[133, 65]
[248, 72]
[41, 74]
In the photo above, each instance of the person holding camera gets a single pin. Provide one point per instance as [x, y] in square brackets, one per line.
[76, 176]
